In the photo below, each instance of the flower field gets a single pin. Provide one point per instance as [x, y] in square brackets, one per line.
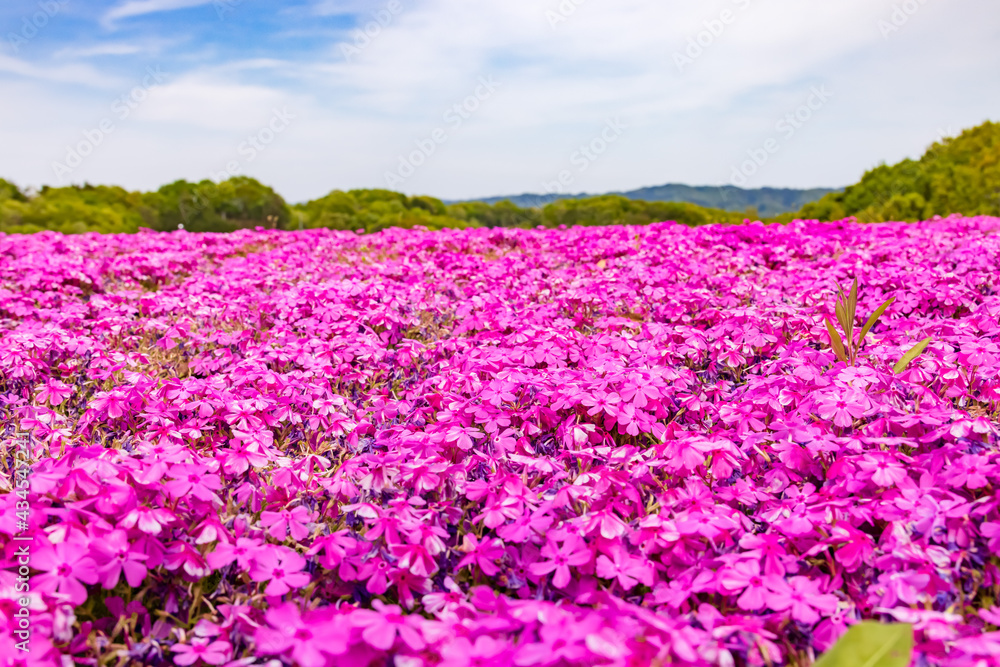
[584, 446]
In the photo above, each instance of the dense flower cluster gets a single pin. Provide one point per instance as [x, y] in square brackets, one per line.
[586, 446]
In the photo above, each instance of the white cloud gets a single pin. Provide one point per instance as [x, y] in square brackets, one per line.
[207, 102]
[134, 8]
[106, 49]
[558, 87]
[68, 74]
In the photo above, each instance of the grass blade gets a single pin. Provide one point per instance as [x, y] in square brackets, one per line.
[836, 342]
[841, 314]
[911, 355]
[873, 319]
[852, 310]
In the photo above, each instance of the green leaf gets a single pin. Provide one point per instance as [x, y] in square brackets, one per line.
[911, 355]
[852, 310]
[871, 644]
[841, 314]
[873, 319]
[835, 341]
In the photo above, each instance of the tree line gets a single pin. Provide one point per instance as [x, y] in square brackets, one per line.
[955, 175]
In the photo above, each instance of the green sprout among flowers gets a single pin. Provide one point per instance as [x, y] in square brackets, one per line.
[846, 310]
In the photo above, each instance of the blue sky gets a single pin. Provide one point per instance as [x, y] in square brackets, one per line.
[466, 98]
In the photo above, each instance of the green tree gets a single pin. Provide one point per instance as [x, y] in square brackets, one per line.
[374, 210]
[206, 206]
[956, 175]
[76, 209]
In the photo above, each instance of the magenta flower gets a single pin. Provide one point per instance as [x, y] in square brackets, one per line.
[754, 587]
[65, 568]
[194, 480]
[484, 553]
[980, 353]
[384, 623]
[280, 567]
[857, 546]
[572, 553]
[627, 569]
[310, 639]
[117, 556]
[884, 470]
[375, 573]
[802, 598]
[148, 520]
[525, 527]
[111, 403]
[279, 524]
[484, 651]
[210, 652]
[842, 409]
[499, 511]
[54, 392]
[242, 551]
[621, 445]
[415, 558]
[463, 436]
[182, 555]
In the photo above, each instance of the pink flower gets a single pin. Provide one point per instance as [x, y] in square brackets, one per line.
[498, 392]
[884, 470]
[183, 555]
[980, 353]
[211, 652]
[281, 568]
[558, 559]
[525, 527]
[280, 523]
[499, 511]
[842, 409]
[485, 651]
[242, 552]
[111, 403]
[627, 569]
[310, 639]
[756, 588]
[607, 523]
[64, 569]
[384, 623]
[54, 392]
[483, 553]
[375, 573]
[147, 519]
[802, 598]
[463, 436]
[857, 546]
[118, 557]
[194, 480]
[416, 559]
[991, 531]
[768, 546]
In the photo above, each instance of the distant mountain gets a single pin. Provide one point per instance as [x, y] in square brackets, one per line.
[767, 201]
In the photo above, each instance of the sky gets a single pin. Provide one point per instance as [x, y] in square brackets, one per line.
[472, 98]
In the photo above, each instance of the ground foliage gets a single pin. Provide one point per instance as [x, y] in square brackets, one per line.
[592, 446]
